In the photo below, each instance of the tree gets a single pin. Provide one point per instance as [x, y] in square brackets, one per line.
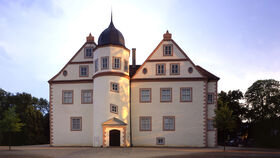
[224, 120]
[263, 100]
[10, 123]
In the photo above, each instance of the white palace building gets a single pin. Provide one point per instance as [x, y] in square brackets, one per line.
[98, 99]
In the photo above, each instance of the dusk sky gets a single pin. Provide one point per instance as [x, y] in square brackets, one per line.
[237, 40]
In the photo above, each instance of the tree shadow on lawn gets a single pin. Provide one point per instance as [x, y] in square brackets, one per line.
[221, 155]
[19, 154]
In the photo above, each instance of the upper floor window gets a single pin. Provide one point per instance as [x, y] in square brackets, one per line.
[174, 69]
[76, 123]
[67, 97]
[113, 108]
[114, 87]
[96, 65]
[167, 50]
[88, 52]
[166, 94]
[186, 94]
[84, 71]
[145, 123]
[210, 125]
[169, 123]
[86, 96]
[126, 66]
[104, 63]
[160, 69]
[145, 94]
[116, 63]
[210, 98]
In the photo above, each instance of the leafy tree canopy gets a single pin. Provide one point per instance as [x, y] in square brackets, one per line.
[263, 100]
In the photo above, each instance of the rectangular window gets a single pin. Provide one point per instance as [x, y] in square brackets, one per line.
[166, 94]
[168, 123]
[160, 140]
[84, 71]
[88, 52]
[116, 63]
[104, 63]
[210, 125]
[145, 123]
[145, 95]
[86, 96]
[167, 50]
[160, 69]
[186, 94]
[76, 123]
[126, 65]
[113, 108]
[174, 69]
[96, 65]
[210, 98]
[114, 87]
[67, 97]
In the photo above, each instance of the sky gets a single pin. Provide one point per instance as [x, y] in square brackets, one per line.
[237, 40]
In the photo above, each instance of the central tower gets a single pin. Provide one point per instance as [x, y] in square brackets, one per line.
[111, 90]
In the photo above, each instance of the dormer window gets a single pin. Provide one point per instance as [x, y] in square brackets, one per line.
[167, 50]
[88, 52]
[84, 71]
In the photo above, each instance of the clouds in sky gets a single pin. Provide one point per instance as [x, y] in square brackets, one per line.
[236, 40]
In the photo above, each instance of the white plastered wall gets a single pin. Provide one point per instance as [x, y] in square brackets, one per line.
[211, 135]
[62, 134]
[189, 122]
[103, 97]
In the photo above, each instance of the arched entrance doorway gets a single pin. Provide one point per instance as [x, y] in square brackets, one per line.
[114, 137]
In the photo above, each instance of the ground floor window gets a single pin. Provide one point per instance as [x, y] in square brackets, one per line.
[145, 123]
[76, 123]
[168, 123]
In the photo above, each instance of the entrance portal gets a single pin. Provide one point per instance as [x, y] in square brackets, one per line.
[114, 137]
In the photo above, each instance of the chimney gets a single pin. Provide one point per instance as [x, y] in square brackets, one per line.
[133, 57]
[90, 38]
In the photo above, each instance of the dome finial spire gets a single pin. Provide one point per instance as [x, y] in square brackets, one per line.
[111, 14]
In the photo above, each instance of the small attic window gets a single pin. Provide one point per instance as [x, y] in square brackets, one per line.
[65, 73]
[167, 50]
[88, 52]
[190, 70]
[144, 70]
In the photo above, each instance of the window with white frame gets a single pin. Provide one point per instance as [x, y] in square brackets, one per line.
[174, 69]
[67, 97]
[114, 108]
[168, 123]
[96, 65]
[165, 94]
[116, 63]
[145, 123]
[145, 94]
[84, 71]
[76, 123]
[210, 98]
[114, 87]
[167, 50]
[86, 96]
[160, 69]
[126, 65]
[186, 94]
[104, 63]
[160, 140]
[210, 125]
[88, 52]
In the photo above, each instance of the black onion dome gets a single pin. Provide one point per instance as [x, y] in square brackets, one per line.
[111, 35]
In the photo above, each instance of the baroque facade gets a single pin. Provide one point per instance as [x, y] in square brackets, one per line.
[98, 99]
